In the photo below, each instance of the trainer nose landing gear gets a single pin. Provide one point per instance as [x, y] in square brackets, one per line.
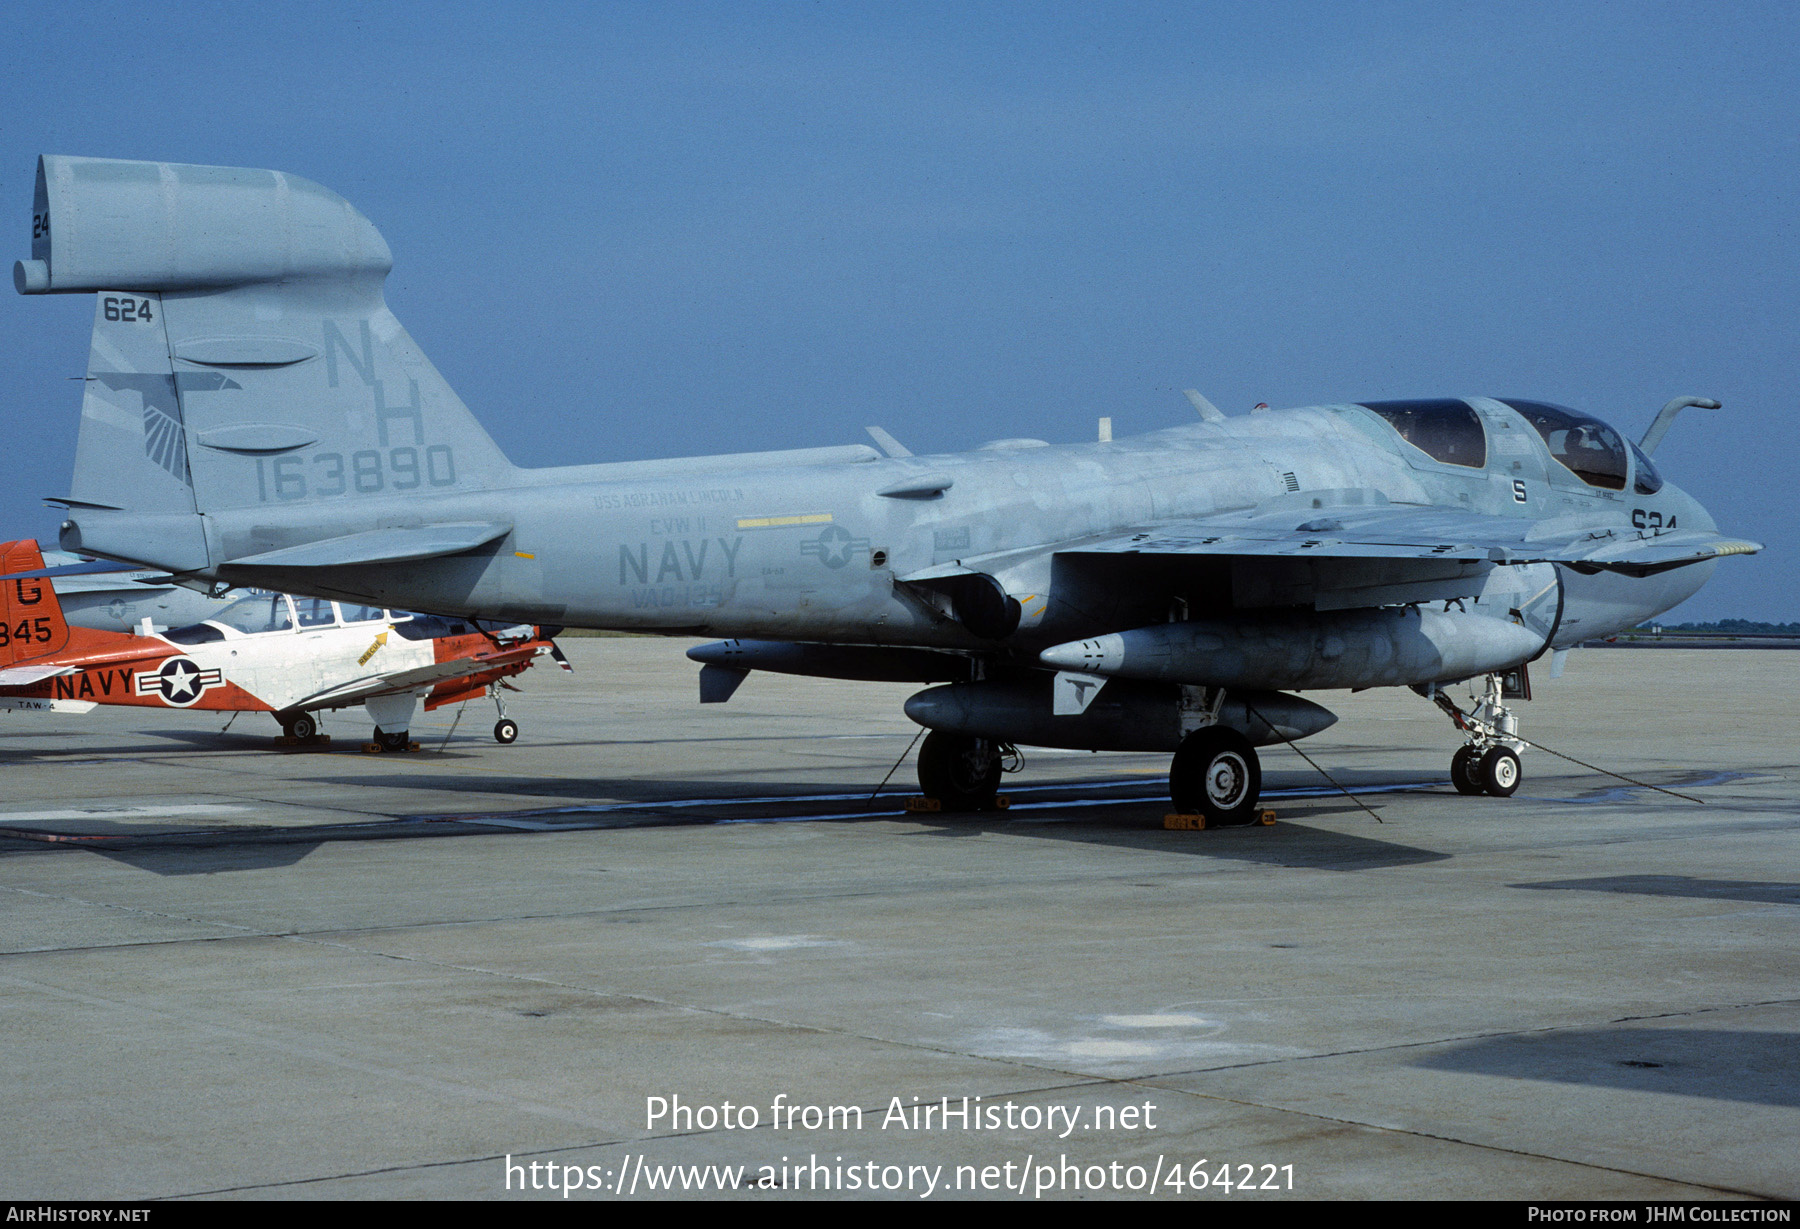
[1489, 762]
[506, 730]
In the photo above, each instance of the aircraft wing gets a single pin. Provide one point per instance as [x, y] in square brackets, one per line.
[395, 681]
[1404, 532]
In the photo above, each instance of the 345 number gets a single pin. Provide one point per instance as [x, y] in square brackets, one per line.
[26, 631]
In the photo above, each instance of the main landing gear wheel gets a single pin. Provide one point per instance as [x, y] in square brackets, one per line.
[1216, 774]
[301, 727]
[397, 741]
[1465, 768]
[506, 730]
[1499, 772]
[960, 771]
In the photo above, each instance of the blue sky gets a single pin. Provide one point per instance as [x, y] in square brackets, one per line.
[636, 230]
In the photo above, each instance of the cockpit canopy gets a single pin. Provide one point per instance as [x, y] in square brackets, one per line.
[1450, 431]
[263, 612]
[1445, 430]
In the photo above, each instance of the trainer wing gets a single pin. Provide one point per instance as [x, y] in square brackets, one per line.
[396, 681]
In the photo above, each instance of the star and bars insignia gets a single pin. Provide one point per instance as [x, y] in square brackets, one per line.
[178, 681]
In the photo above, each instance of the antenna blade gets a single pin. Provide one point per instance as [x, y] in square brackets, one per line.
[1207, 409]
[887, 443]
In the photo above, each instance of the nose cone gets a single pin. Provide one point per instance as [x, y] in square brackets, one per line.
[1102, 655]
[1293, 717]
[718, 653]
[938, 708]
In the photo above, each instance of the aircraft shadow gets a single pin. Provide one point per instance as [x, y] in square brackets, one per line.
[1720, 1064]
[1084, 812]
[1287, 843]
[210, 859]
[1753, 891]
[1132, 822]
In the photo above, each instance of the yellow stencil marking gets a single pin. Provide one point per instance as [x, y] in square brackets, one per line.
[380, 639]
[777, 522]
[523, 555]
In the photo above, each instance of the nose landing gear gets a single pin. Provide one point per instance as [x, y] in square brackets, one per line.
[506, 730]
[1489, 762]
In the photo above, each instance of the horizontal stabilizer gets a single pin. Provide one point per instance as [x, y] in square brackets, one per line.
[70, 569]
[379, 546]
[25, 676]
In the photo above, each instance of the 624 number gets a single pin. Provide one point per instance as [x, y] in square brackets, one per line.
[131, 310]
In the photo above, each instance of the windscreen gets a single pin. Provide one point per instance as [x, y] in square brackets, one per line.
[1647, 481]
[261, 612]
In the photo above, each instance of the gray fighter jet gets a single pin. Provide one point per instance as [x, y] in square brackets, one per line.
[254, 415]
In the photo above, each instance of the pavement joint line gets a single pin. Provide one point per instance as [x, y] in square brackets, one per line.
[247, 931]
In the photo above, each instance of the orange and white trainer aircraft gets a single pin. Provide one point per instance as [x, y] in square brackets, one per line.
[267, 652]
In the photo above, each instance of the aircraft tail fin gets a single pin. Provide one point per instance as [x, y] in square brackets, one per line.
[31, 619]
[243, 361]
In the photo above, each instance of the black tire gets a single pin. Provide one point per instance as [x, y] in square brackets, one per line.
[301, 727]
[506, 730]
[397, 741]
[960, 771]
[1216, 773]
[1500, 772]
[1465, 767]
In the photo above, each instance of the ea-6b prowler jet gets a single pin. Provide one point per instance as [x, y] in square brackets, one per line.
[254, 415]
